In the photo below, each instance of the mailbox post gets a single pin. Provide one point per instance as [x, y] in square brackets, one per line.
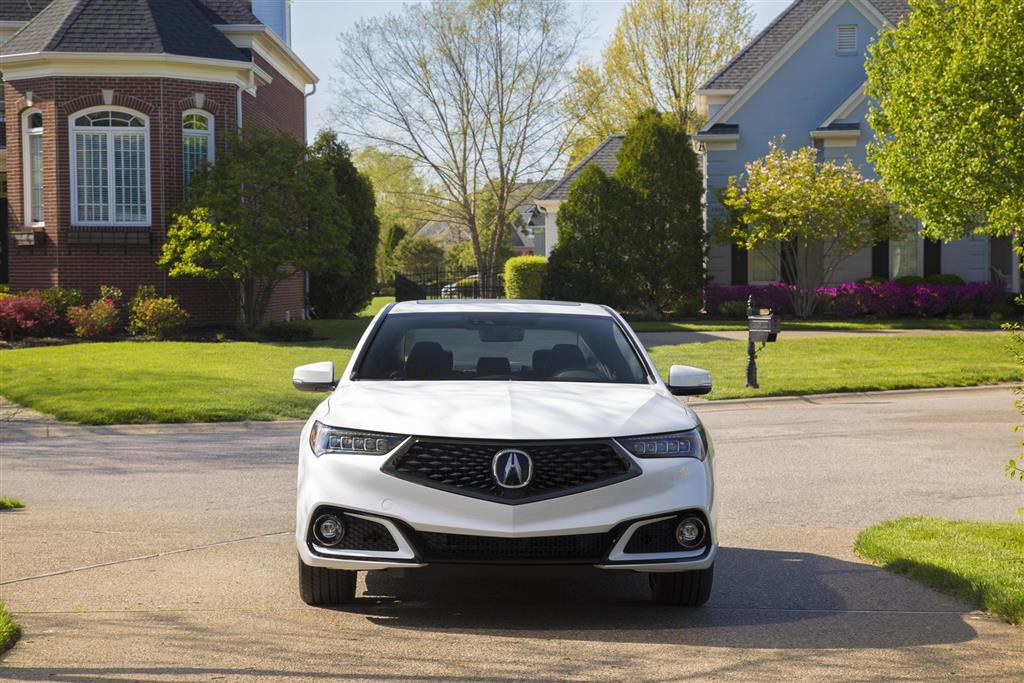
[763, 327]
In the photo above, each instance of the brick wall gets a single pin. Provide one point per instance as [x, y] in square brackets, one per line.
[128, 258]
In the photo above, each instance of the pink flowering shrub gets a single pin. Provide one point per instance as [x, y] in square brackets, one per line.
[100, 318]
[880, 300]
[24, 315]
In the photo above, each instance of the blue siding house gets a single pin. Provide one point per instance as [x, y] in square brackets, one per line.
[803, 78]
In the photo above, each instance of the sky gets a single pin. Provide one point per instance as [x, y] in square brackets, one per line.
[316, 25]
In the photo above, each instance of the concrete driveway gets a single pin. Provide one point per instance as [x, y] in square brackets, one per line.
[164, 554]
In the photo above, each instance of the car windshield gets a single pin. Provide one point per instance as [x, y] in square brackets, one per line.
[501, 346]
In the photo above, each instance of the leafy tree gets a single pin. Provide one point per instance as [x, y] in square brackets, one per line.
[949, 134]
[345, 287]
[660, 53]
[637, 238]
[471, 93]
[262, 214]
[460, 256]
[417, 255]
[822, 212]
[390, 237]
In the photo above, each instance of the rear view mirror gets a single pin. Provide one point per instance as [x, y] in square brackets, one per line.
[684, 380]
[314, 377]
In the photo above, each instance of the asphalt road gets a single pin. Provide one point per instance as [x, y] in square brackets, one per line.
[164, 554]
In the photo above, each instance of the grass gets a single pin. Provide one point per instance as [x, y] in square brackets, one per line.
[10, 504]
[822, 325]
[980, 562]
[9, 631]
[831, 364]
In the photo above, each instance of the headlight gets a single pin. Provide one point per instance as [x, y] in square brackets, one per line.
[675, 445]
[326, 439]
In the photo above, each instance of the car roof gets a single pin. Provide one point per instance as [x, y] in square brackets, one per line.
[498, 306]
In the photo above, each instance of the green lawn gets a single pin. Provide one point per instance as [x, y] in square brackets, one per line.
[9, 631]
[10, 504]
[834, 325]
[981, 562]
[827, 364]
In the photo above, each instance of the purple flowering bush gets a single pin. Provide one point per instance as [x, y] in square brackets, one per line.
[880, 300]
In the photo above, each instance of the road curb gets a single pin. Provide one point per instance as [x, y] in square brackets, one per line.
[840, 395]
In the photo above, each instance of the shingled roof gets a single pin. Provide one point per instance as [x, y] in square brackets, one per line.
[21, 10]
[605, 155]
[177, 27]
[768, 42]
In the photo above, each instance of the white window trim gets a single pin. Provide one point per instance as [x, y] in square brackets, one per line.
[111, 188]
[208, 134]
[26, 169]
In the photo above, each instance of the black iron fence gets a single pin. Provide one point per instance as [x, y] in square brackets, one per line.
[446, 283]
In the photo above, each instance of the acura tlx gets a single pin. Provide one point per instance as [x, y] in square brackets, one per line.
[504, 433]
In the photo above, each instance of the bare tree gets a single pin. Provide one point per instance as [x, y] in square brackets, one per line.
[471, 92]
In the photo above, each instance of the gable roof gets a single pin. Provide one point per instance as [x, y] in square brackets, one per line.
[605, 155]
[769, 41]
[177, 27]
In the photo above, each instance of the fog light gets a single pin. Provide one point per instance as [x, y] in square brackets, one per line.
[690, 533]
[328, 530]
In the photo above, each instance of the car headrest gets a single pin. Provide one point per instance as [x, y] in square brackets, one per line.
[563, 357]
[485, 367]
[427, 360]
[540, 360]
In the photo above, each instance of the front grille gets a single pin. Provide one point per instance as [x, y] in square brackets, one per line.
[360, 534]
[659, 537]
[465, 467]
[580, 548]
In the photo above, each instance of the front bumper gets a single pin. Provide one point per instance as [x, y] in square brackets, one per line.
[412, 513]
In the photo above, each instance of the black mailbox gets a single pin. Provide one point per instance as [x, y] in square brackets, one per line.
[764, 327]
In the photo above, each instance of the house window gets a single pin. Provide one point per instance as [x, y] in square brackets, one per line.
[110, 168]
[32, 151]
[905, 257]
[764, 264]
[846, 39]
[196, 142]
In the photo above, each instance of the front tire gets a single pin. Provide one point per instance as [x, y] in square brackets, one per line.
[322, 587]
[682, 589]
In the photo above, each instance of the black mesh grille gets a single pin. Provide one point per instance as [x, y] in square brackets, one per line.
[360, 534]
[466, 467]
[659, 537]
[581, 548]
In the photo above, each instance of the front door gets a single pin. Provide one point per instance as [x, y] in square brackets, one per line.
[1000, 260]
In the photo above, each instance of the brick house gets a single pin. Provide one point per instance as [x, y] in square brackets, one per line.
[108, 107]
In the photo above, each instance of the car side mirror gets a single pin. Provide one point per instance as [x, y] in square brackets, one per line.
[314, 377]
[684, 380]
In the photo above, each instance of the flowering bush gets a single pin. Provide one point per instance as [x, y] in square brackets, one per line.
[160, 317]
[99, 318]
[24, 315]
[878, 299]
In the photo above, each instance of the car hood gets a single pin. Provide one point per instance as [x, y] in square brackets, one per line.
[506, 410]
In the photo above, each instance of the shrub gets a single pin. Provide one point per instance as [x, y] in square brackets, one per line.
[909, 280]
[113, 294]
[160, 317]
[24, 315]
[60, 300]
[687, 306]
[524, 277]
[944, 279]
[100, 318]
[733, 309]
[278, 331]
[387, 290]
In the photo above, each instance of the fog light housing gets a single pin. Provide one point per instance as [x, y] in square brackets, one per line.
[328, 530]
[690, 533]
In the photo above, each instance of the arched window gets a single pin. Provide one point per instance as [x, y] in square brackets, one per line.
[196, 141]
[32, 165]
[109, 167]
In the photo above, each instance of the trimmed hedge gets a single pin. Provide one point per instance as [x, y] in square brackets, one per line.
[882, 299]
[524, 277]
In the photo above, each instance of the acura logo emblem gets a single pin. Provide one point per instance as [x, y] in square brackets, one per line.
[512, 468]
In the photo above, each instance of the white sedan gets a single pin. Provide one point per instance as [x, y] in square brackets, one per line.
[504, 433]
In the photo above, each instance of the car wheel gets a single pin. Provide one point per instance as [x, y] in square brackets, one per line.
[325, 587]
[682, 589]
